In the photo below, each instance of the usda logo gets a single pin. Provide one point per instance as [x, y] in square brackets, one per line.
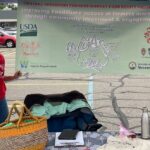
[28, 30]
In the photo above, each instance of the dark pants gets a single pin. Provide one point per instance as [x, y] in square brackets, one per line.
[3, 110]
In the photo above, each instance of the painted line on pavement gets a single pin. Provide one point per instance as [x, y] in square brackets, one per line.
[8, 54]
[90, 91]
[10, 65]
[19, 84]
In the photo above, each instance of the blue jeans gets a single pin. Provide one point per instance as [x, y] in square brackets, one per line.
[3, 110]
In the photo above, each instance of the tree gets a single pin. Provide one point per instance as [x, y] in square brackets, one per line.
[2, 6]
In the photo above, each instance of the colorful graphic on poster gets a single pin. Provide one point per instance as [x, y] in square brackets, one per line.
[106, 37]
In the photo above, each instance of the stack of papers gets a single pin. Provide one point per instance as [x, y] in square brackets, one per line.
[79, 141]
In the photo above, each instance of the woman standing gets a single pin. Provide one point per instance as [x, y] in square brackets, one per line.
[3, 78]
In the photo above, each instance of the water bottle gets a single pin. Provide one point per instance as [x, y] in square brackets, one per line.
[145, 127]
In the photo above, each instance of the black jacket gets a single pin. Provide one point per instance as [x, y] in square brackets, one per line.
[68, 97]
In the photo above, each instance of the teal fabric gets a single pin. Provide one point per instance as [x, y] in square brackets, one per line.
[49, 109]
[77, 104]
[38, 110]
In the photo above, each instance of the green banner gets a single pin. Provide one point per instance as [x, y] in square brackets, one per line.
[106, 37]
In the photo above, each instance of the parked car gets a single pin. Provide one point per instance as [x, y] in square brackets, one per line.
[11, 30]
[7, 40]
[1, 28]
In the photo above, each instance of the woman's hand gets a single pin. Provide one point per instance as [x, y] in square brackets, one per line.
[17, 74]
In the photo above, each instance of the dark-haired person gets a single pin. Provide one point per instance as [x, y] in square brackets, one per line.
[3, 78]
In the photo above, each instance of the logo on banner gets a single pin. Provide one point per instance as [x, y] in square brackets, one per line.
[24, 64]
[143, 51]
[28, 30]
[147, 35]
[132, 65]
[30, 48]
